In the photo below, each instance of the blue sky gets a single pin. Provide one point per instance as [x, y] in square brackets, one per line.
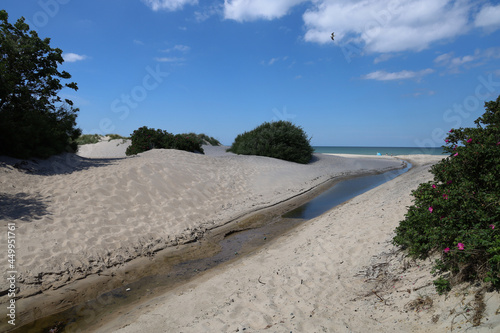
[399, 73]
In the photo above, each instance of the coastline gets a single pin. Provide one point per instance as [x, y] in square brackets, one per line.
[80, 221]
[379, 150]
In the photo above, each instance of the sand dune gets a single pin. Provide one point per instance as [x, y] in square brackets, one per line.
[337, 273]
[77, 216]
[106, 148]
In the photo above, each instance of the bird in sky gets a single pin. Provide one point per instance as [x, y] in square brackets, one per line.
[333, 36]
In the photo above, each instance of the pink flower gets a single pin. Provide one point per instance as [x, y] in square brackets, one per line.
[447, 250]
[456, 154]
[449, 182]
[445, 196]
[451, 131]
[446, 140]
[492, 226]
[431, 209]
[469, 141]
[460, 246]
[433, 185]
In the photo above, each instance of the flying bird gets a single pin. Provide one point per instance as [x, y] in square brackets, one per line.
[333, 36]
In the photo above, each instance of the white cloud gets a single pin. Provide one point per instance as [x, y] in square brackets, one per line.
[379, 26]
[73, 57]
[422, 92]
[443, 59]
[491, 53]
[383, 57]
[455, 63]
[170, 5]
[180, 48]
[488, 17]
[402, 75]
[207, 12]
[447, 59]
[248, 10]
[274, 60]
[169, 59]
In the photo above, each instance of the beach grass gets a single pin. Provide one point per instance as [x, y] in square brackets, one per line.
[86, 139]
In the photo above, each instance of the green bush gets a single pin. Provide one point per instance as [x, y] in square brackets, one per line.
[203, 139]
[209, 140]
[146, 138]
[86, 139]
[458, 213]
[280, 139]
[188, 142]
[442, 285]
[116, 137]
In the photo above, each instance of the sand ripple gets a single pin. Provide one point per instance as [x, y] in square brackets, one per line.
[75, 219]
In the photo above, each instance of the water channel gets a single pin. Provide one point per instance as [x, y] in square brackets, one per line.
[250, 235]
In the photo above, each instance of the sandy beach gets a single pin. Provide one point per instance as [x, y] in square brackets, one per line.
[337, 273]
[79, 218]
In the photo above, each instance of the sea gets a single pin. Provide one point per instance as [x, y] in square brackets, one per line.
[389, 151]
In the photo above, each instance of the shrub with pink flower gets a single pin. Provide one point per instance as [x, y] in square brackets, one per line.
[460, 205]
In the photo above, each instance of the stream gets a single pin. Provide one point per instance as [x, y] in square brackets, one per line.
[234, 244]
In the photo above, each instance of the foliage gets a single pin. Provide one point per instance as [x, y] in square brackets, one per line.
[86, 139]
[188, 142]
[442, 285]
[34, 120]
[458, 213]
[209, 140]
[146, 138]
[280, 139]
[116, 137]
[203, 139]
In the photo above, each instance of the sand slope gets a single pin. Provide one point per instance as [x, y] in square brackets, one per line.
[77, 216]
[338, 273]
[106, 148]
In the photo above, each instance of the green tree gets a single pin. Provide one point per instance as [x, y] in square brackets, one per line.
[34, 120]
[458, 213]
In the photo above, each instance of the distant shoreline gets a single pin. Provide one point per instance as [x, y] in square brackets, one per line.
[372, 151]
